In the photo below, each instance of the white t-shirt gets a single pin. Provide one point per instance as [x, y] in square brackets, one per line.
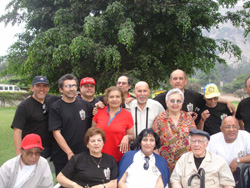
[229, 151]
[24, 174]
[154, 108]
[138, 177]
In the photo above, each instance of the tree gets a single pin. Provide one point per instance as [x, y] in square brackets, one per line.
[145, 39]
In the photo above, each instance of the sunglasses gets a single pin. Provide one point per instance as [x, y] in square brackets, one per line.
[44, 109]
[146, 164]
[74, 86]
[123, 83]
[175, 101]
[214, 98]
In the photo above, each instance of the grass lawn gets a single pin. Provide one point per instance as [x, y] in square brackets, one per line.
[7, 149]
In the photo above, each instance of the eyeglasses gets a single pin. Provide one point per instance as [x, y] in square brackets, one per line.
[177, 101]
[44, 109]
[30, 153]
[123, 83]
[146, 164]
[230, 127]
[198, 141]
[74, 86]
[214, 98]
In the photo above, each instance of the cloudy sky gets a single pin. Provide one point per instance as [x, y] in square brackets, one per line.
[7, 33]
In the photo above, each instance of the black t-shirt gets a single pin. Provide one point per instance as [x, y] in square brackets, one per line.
[243, 113]
[193, 101]
[93, 102]
[73, 119]
[217, 114]
[31, 117]
[83, 170]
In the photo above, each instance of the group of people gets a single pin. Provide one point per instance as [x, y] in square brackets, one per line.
[177, 134]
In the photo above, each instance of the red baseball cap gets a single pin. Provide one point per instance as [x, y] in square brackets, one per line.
[87, 80]
[32, 141]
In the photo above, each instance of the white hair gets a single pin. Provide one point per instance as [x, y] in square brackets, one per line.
[174, 91]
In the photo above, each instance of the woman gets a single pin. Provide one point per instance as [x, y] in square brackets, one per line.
[116, 122]
[143, 168]
[173, 127]
[91, 168]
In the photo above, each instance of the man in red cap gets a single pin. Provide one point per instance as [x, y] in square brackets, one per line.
[87, 90]
[28, 169]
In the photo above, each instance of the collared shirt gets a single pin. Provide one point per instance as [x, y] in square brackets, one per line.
[138, 176]
[144, 118]
[217, 171]
[174, 137]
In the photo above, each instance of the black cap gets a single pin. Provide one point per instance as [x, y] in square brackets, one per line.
[199, 132]
[40, 80]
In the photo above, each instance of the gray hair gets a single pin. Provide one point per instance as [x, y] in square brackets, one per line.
[174, 91]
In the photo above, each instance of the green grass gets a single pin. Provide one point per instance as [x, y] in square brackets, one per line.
[7, 149]
[235, 103]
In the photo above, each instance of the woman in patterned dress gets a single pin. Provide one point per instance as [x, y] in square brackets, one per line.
[173, 127]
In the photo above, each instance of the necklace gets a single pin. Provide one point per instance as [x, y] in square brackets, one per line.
[97, 164]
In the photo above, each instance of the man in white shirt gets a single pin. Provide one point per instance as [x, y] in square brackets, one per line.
[143, 109]
[28, 169]
[232, 144]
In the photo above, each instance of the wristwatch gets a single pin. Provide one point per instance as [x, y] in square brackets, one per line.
[104, 186]
[238, 160]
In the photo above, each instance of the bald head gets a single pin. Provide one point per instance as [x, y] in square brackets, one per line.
[230, 129]
[178, 79]
[141, 92]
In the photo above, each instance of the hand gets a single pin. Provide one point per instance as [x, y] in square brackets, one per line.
[204, 115]
[233, 165]
[128, 100]
[231, 108]
[100, 105]
[124, 144]
[193, 114]
[94, 112]
[71, 154]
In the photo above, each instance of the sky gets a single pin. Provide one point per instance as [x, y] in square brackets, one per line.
[7, 33]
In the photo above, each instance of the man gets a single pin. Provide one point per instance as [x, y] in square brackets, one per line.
[214, 112]
[232, 144]
[27, 169]
[87, 90]
[69, 119]
[144, 109]
[217, 171]
[193, 101]
[125, 84]
[243, 110]
[32, 115]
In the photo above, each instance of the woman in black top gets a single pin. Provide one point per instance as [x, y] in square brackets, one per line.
[92, 168]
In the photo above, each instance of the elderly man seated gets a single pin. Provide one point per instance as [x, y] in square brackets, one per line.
[29, 169]
[232, 144]
[200, 167]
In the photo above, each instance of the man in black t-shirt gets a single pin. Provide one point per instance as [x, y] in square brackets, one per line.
[243, 110]
[69, 120]
[193, 101]
[32, 115]
[214, 112]
[87, 91]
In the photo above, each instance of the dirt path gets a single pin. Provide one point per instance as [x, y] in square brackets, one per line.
[230, 97]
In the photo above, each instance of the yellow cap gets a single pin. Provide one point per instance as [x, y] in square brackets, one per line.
[211, 90]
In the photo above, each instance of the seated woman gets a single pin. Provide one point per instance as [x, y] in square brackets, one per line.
[91, 168]
[143, 168]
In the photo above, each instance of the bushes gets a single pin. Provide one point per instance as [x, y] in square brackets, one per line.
[12, 98]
